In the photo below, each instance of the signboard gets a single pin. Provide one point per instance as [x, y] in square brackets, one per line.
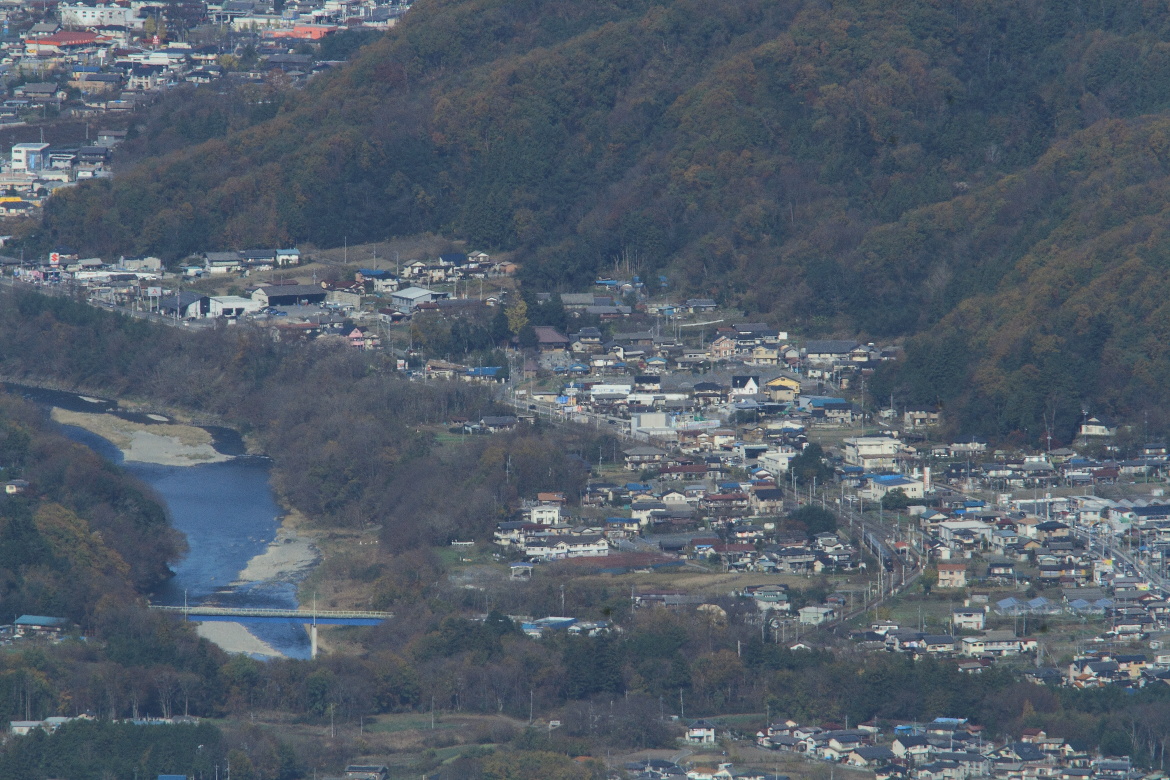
[401, 364]
[154, 292]
[55, 258]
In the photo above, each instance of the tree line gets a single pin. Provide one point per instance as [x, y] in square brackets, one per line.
[82, 532]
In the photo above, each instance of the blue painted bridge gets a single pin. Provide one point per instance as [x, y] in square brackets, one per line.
[309, 617]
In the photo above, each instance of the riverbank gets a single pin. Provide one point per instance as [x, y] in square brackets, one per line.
[234, 638]
[290, 556]
[163, 444]
[149, 442]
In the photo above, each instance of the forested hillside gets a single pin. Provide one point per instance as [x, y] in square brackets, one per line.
[343, 429]
[1078, 321]
[857, 167]
[82, 535]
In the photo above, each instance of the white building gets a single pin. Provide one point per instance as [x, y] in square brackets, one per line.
[406, 300]
[776, 461]
[879, 486]
[80, 16]
[815, 615]
[28, 157]
[969, 618]
[995, 643]
[873, 453]
[950, 530]
[701, 732]
[545, 515]
[231, 306]
[288, 257]
[558, 548]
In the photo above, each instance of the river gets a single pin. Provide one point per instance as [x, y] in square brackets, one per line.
[227, 511]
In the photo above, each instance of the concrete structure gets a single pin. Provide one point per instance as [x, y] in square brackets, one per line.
[873, 453]
[289, 295]
[814, 616]
[969, 618]
[81, 16]
[231, 306]
[29, 157]
[407, 299]
[879, 486]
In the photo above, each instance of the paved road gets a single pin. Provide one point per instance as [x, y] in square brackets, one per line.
[78, 293]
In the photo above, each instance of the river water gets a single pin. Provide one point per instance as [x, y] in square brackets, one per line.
[227, 511]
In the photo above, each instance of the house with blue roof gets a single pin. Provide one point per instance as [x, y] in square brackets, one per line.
[878, 486]
[485, 375]
[40, 625]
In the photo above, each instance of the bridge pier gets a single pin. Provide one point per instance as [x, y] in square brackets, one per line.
[309, 618]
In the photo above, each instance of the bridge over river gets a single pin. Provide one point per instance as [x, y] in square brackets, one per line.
[309, 617]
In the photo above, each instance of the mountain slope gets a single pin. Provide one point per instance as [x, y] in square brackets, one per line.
[1080, 321]
[715, 140]
[858, 167]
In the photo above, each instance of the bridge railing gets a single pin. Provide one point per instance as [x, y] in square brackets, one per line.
[262, 612]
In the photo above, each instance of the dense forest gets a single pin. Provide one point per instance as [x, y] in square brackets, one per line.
[82, 534]
[94, 750]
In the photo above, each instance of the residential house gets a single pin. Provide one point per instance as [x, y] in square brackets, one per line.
[782, 388]
[561, 547]
[767, 501]
[497, 424]
[952, 575]
[828, 351]
[993, 643]
[708, 393]
[969, 618]
[222, 262]
[870, 756]
[1098, 425]
[642, 456]
[911, 748]
[701, 732]
[40, 626]
[699, 305]
[921, 416]
[873, 453]
[744, 386]
[722, 348]
[549, 339]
